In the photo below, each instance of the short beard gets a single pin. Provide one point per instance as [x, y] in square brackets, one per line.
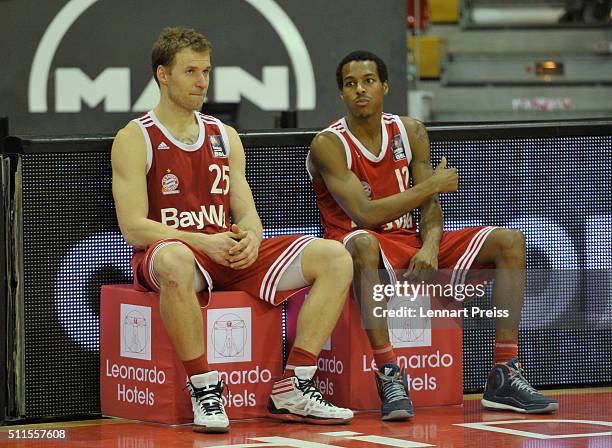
[364, 114]
[181, 102]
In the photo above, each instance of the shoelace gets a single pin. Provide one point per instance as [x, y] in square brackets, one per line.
[308, 387]
[518, 380]
[209, 398]
[393, 389]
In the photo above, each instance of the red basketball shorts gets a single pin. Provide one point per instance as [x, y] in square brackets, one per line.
[260, 279]
[456, 257]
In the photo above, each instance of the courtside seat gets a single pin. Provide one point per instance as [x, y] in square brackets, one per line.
[141, 377]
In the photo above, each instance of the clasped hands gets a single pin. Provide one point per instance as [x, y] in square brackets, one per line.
[237, 249]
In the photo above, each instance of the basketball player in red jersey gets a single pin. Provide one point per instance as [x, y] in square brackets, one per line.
[361, 167]
[177, 177]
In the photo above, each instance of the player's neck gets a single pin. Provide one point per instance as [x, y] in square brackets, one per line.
[173, 117]
[364, 127]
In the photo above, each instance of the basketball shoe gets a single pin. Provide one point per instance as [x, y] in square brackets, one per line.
[392, 386]
[206, 398]
[507, 389]
[296, 399]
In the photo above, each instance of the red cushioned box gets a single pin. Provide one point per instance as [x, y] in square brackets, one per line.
[141, 377]
[431, 352]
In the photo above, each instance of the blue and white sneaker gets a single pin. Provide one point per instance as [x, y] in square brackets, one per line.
[392, 385]
[507, 389]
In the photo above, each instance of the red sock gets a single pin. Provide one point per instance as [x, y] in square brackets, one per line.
[505, 351]
[195, 366]
[298, 357]
[384, 354]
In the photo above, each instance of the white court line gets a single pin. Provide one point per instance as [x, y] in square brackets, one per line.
[389, 441]
[341, 433]
[490, 426]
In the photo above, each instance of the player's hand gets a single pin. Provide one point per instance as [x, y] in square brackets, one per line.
[245, 252]
[216, 246]
[445, 179]
[423, 265]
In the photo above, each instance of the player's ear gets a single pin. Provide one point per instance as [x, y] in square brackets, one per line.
[385, 87]
[161, 74]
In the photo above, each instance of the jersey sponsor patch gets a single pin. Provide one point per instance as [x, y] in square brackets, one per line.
[163, 146]
[170, 184]
[398, 148]
[217, 146]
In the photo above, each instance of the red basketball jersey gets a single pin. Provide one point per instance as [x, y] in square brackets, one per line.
[188, 188]
[381, 176]
[188, 185]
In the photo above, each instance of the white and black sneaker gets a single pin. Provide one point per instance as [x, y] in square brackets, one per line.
[296, 399]
[206, 398]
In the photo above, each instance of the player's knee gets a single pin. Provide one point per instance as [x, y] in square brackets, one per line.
[512, 244]
[337, 262]
[366, 251]
[175, 264]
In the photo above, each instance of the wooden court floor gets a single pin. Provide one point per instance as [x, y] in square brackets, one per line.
[584, 419]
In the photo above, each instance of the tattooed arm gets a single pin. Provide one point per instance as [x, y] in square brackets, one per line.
[431, 212]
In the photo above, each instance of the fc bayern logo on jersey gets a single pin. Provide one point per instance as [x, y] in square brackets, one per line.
[398, 148]
[216, 144]
[170, 184]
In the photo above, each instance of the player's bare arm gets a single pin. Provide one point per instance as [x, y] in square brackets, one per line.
[431, 212]
[128, 158]
[329, 163]
[129, 164]
[248, 225]
[421, 170]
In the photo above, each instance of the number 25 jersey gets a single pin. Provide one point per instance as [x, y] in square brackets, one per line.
[188, 184]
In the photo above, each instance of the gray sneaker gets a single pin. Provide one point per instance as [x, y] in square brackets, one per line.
[508, 390]
[392, 387]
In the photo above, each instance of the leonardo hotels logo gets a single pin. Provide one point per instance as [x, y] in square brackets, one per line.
[229, 335]
[135, 329]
